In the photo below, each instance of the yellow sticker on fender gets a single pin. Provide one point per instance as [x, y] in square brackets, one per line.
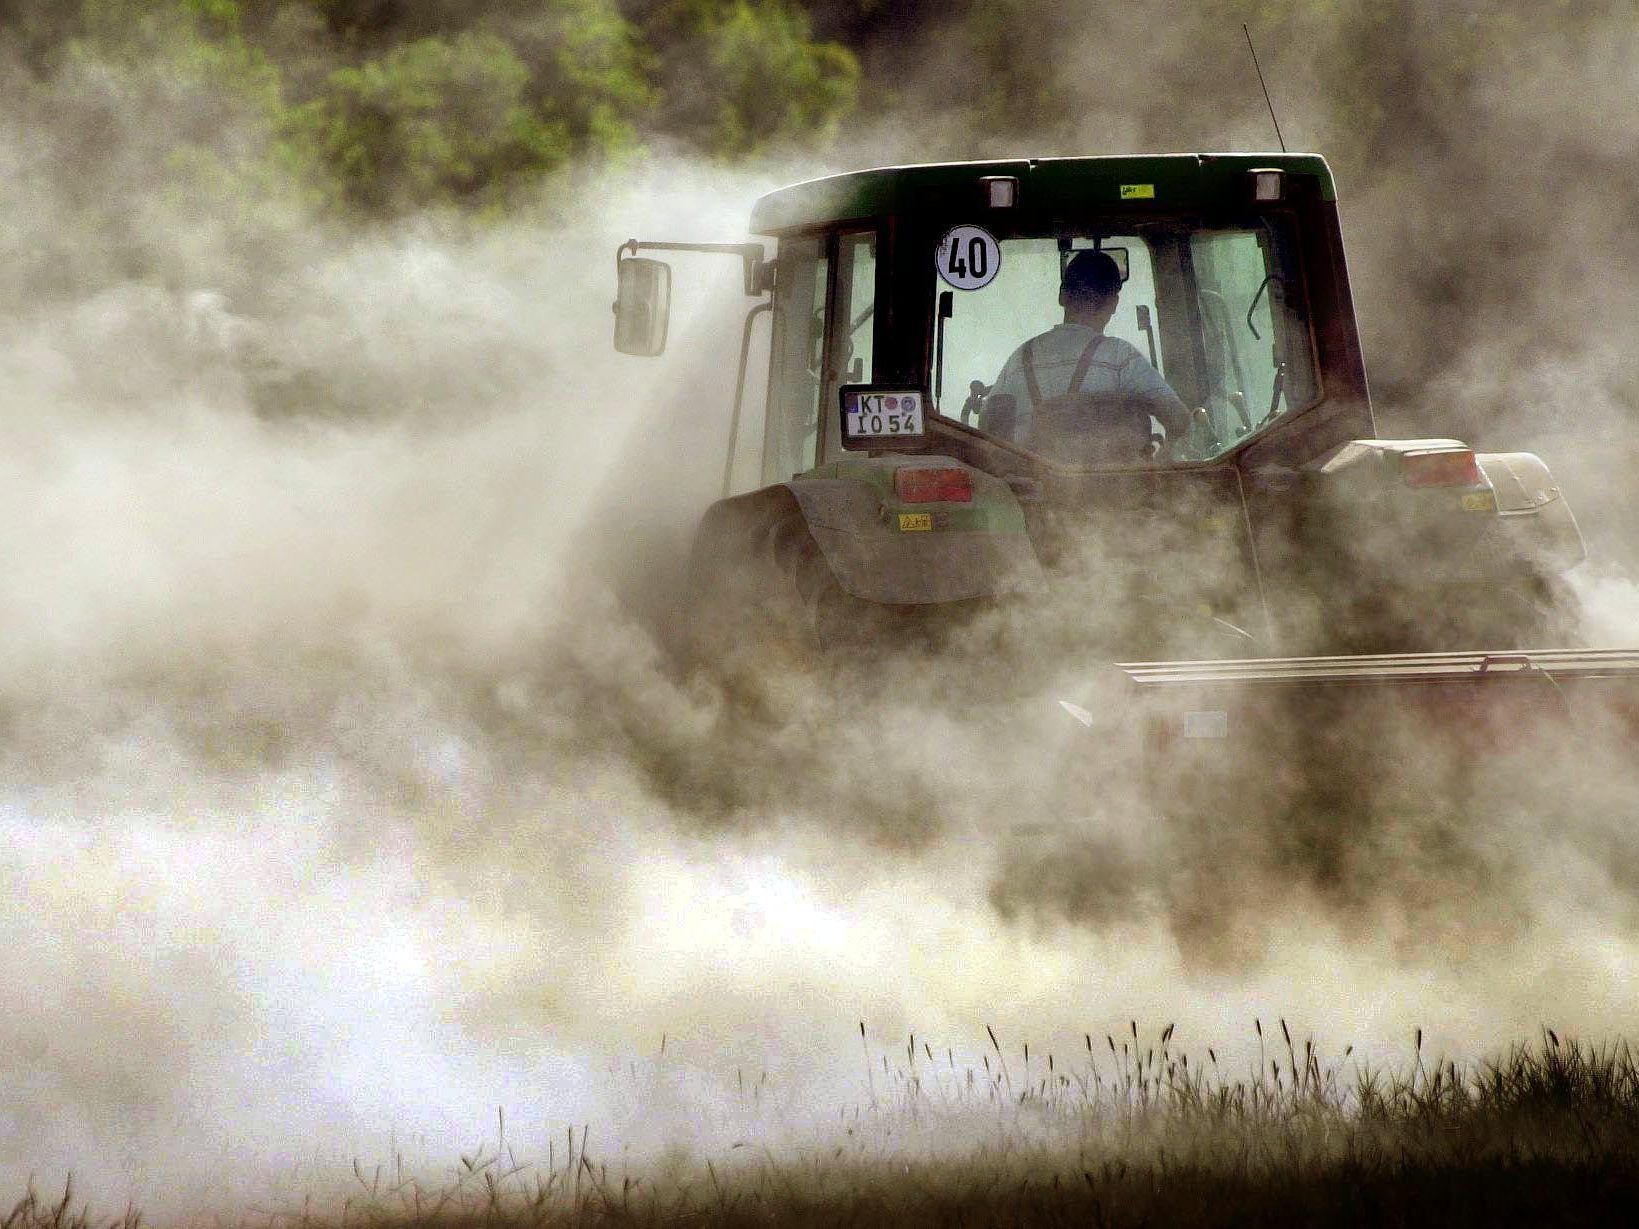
[915, 522]
[1479, 501]
[1138, 192]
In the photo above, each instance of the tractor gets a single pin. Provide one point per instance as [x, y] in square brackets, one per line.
[1242, 543]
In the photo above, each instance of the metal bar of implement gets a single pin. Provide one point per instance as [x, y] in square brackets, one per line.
[1389, 667]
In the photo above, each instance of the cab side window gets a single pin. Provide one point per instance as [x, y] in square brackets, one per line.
[1255, 341]
[856, 293]
[801, 292]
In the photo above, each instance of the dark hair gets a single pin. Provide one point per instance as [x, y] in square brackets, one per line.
[1091, 275]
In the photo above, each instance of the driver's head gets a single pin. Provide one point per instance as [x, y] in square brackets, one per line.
[1092, 281]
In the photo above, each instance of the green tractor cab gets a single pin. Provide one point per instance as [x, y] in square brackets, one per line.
[1136, 381]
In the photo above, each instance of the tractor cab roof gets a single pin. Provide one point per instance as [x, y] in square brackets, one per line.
[1164, 182]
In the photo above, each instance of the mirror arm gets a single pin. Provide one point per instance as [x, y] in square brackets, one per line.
[759, 271]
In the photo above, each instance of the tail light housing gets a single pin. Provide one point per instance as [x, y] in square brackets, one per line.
[1455, 467]
[929, 485]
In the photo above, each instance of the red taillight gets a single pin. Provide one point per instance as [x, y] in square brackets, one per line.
[1456, 468]
[932, 486]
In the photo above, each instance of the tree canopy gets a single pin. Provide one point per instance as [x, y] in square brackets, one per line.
[376, 106]
[373, 107]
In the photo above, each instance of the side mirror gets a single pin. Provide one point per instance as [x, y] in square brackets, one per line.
[642, 306]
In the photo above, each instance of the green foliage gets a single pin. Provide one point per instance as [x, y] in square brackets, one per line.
[188, 53]
[436, 120]
[380, 105]
[373, 108]
[739, 76]
[158, 110]
[778, 85]
[589, 71]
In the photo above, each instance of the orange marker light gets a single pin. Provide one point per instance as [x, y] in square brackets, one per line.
[1455, 468]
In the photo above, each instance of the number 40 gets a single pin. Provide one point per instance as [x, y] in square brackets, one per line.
[976, 260]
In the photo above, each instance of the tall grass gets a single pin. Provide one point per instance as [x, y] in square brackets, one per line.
[1125, 1132]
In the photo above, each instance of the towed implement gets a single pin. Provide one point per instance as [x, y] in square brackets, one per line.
[1123, 400]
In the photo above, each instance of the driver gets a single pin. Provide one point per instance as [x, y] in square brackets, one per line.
[1077, 357]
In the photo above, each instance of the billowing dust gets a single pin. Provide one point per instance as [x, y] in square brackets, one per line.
[351, 795]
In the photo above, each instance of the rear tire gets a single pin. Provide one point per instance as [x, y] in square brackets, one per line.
[768, 608]
[834, 623]
[760, 593]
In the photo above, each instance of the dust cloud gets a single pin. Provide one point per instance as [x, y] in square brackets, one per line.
[351, 796]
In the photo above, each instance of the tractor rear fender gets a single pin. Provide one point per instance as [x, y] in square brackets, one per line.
[1511, 516]
[883, 549]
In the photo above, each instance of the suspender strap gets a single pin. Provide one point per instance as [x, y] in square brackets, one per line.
[1085, 363]
[1028, 361]
[1029, 364]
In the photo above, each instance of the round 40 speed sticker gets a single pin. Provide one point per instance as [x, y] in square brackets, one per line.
[969, 257]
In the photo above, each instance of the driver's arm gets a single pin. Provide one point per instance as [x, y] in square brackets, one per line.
[1010, 383]
[1147, 384]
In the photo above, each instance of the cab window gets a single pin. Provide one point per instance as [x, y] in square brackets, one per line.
[1208, 341]
[984, 327]
[801, 290]
[1256, 360]
[856, 292]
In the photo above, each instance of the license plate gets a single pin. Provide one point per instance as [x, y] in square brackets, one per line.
[872, 415]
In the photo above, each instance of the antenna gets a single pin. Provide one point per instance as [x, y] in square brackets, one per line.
[1264, 87]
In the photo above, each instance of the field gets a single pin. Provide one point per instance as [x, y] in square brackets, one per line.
[1545, 1134]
